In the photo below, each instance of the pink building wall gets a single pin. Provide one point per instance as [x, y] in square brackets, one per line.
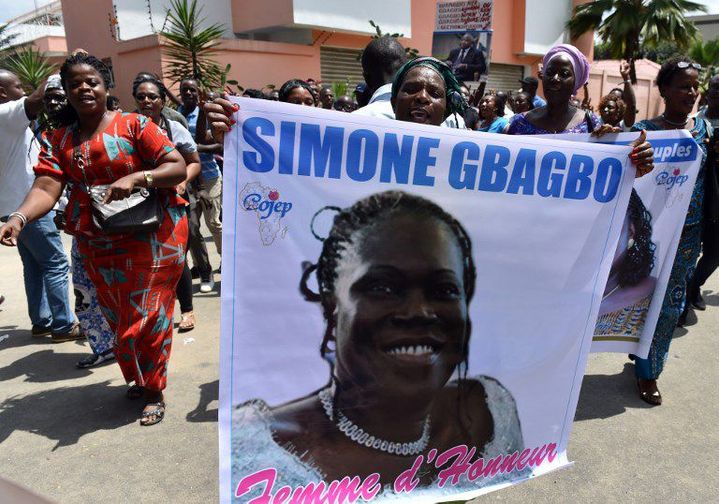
[604, 76]
[255, 63]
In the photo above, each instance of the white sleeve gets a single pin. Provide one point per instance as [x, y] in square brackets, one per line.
[12, 116]
[182, 138]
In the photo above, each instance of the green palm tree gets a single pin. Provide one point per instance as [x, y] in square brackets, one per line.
[628, 25]
[31, 66]
[189, 48]
[707, 55]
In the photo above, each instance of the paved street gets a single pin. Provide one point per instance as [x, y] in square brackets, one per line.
[71, 435]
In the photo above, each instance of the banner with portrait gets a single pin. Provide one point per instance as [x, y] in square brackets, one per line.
[647, 245]
[462, 37]
[407, 310]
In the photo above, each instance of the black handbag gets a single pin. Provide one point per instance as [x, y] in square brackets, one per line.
[141, 212]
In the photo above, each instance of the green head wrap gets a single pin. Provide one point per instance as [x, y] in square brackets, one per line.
[455, 101]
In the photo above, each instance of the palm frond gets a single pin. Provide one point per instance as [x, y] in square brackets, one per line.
[31, 66]
[190, 49]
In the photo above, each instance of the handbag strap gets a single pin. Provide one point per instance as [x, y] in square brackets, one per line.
[79, 159]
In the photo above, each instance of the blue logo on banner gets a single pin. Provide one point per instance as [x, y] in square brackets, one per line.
[671, 179]
[266, 206]
[675, 151]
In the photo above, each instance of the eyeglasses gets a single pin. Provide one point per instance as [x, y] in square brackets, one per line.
[685, 64]
[150, 96]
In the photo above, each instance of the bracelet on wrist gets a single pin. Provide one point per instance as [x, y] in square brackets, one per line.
[21, 217]
[148, 178]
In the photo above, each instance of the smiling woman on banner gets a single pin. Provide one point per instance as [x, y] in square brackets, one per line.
[629, 289]
[565, 71]
[396, 278]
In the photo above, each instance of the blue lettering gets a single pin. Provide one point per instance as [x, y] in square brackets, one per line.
[287, 147]
[263, 159]
[493, 177]
[550, 184]
[609, 173]
[424, 160]
[523, 173]
[321, 150]
[463, 175]
[578, 182]
[361, 142]
[395, 159]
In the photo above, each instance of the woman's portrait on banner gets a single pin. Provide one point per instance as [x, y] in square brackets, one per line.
[394, 280]
[630, 286]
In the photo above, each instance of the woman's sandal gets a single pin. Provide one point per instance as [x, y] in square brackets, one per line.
[187, 322]
[135, 392]
[648, 393]
[158, 413]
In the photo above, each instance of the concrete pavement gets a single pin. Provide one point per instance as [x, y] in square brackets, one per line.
[71, 436]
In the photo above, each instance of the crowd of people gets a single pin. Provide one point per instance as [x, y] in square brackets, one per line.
[72, 160]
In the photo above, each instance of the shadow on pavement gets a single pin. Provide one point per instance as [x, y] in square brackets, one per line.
[208, 392]
[711, 298]
[66, 414]
[45, 366]
[605, 396]
[20, 338]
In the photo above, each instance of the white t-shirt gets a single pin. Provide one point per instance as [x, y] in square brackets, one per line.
[181, 137]
[18, 155]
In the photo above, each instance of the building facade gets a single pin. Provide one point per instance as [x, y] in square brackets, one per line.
[270, 41]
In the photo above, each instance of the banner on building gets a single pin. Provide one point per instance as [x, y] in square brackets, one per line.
[458, 20]
[464, 15]
[407, 310]
[647, 245]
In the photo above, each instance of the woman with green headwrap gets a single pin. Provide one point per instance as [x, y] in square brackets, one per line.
[425, 91]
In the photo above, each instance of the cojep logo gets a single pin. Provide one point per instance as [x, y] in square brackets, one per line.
[671, 179]
[267, 206]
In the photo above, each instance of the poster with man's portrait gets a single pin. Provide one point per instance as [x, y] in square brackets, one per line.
[405, 314]
[462, 37]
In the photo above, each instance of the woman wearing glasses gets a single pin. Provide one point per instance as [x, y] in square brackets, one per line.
[678, 83]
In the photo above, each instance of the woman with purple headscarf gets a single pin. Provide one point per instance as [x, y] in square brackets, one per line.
[565, 71]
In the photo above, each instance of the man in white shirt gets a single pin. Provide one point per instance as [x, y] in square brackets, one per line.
[45, 266]
[381, 59]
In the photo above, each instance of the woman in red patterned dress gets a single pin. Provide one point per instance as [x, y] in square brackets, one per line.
[135, 275]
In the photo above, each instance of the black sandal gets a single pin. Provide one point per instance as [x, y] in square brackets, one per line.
[135, 392]
[158, 413]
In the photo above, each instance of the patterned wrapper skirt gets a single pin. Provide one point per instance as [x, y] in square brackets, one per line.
[136, 278]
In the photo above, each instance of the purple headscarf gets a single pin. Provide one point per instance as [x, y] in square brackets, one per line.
[579, 63]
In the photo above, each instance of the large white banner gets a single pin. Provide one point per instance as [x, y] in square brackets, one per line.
[407, 310]
[648, 243]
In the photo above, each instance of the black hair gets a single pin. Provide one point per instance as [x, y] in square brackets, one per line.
[113, 102]
[670, 68]
[471, 118]
[528, 98]
[141, 79]
[82, 58]
[500, 101]
[68, 115]
[253, 93]
[291, 84]
[381, 59]
[363, 214]
[638, 260]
